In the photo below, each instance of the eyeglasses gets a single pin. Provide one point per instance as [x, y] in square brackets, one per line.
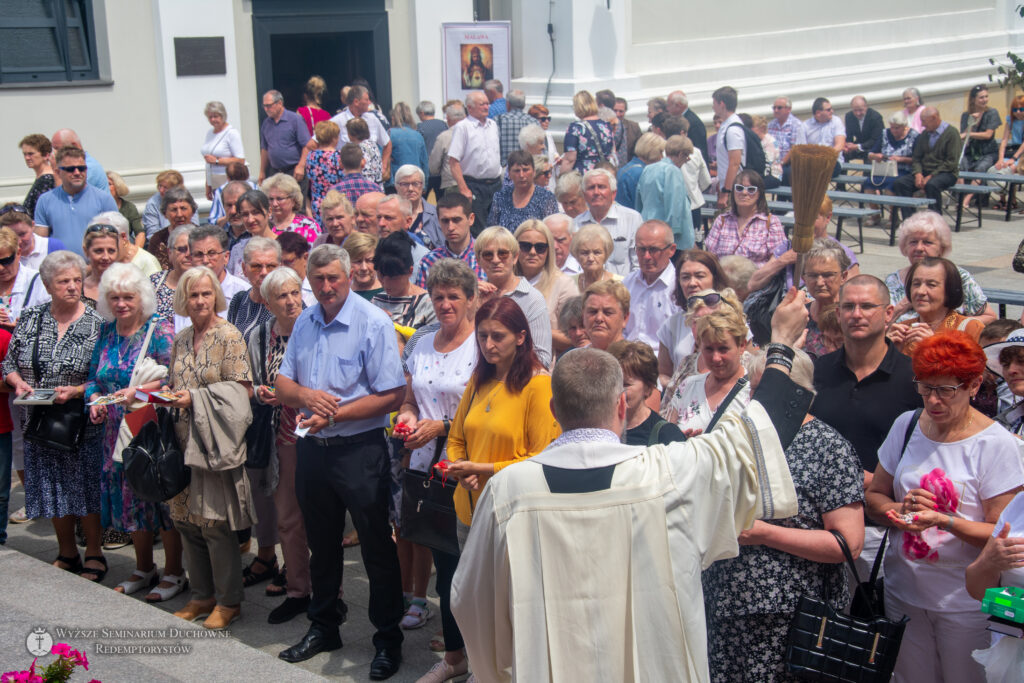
[203, 254]
[501, 255]
[745, 189]
[712, 299]
[278, 200]
[831, 275]
[653, 251]
[12, 207]
[851, 306]
[181, 250]
[944, 392]
[101, 227]
[408, 184]
[540, 247]
[540, 174]
[82, 168]
[543, 118]
[777, 106]
[8, 260]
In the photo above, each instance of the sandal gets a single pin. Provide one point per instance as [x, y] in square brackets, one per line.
[251, 577]
[137, 581]
[278, 585]
[74, 564]
[100, 574]
[350, 540]
[178, 584]
[436, 642]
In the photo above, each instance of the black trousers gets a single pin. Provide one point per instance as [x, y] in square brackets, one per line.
[483, 190]
[350, 474]
[933, 189]
[446, 565]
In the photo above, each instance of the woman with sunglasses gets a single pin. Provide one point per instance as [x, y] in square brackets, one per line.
[522, 200]
[1008, 157]
[166, 281]
[935, 291]
[102, 248]
[543, 116]
[941, 489]
[747, 228]
[698, 271]
[543, 172]
[978, 131]
[537, 264]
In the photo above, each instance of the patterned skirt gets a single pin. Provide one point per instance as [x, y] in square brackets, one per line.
[750, 648]
[60, 483]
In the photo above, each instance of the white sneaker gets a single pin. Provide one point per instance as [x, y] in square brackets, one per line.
[416, 616]
[443, 671]
[18, 516]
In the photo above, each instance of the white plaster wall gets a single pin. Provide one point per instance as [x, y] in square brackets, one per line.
[422, 51]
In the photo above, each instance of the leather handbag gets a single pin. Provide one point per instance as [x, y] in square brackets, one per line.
[154, 463]
[826, 645]
[882, 170]
[428, 507]
[260, 436]
[60, 426]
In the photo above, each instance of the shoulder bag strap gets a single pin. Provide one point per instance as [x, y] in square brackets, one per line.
[35, 350]
[263, 353]
[876, 567]
[143, 351]
[597, 141]
[656, 432]
[740, 383]
[31, 286]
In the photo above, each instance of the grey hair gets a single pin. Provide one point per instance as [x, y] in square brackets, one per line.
[516, 99]
[493, 84]
[572, 311]
[403, 204]
[678, 97]
[916, 93]
[275, 95]
[898, 118]
[259, 245]
[802, 372]
[789, 102]
[406, 170]
[57, 261]
[276, 279]
[215, 107]
[205, 231]
[455, 111]
[426, 107]
[585, 388]
[175, 195]
[531, 135]
[569, 184]
[124, 277]
[188, 280]
[474, 94]
[828, 248]
[559, 218]
[594, 172]
[113, 218]
[451, 272]
[929, 223]
[172, 239]
[326, 254]
[287, 184]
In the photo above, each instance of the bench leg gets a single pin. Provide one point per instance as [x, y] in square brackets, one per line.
[1011, 200]
[892, 227]
[839, 229]
[979, 211]
[959, 212]
[860, 234]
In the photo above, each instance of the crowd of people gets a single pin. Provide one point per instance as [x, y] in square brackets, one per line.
[388, 295]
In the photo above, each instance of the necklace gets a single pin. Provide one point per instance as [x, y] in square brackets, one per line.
[490, 397]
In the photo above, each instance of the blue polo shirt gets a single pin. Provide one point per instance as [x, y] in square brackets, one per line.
[67, 216]
[352, 356]
[95, 175]
[284, 139]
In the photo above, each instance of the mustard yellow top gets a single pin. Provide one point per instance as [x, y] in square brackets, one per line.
[493, 425]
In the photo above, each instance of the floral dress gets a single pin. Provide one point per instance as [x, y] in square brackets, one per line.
[323, 168]
[164, 295]
[304, 225]
[580, 138]
[749, 600]
[57, 483]
[373, 169]
[41, 186]
[113, 361]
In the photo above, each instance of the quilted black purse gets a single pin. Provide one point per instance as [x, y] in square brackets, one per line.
[428, 507]
[60, 426]
[826, 645]
[154, 463]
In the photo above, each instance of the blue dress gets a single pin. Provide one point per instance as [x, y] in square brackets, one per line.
[407, 147]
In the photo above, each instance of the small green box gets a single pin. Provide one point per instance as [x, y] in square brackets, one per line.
[1005, 603]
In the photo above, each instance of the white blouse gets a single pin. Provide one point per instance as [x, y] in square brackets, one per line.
[227, 143]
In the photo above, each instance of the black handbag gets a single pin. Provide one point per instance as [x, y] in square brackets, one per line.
[60, 426]
[260, 436]
[154, 463]
[760, 305]
[428, 507]
[826, 645]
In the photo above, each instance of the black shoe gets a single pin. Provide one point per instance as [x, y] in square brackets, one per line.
[288, 610]
[342, 612]
[313, 643]
[385, 664]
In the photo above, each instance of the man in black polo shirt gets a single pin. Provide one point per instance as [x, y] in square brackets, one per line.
[865, 385]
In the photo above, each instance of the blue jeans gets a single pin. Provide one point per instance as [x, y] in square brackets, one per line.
[5, 483]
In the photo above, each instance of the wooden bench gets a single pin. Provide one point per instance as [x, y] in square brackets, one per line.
[708, 213]
[1010, 179]
[1004, 297]
[957, 193]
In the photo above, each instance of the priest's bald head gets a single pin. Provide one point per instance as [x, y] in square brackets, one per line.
[587, 392]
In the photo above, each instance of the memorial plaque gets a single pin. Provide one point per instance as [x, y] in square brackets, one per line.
[200, 56]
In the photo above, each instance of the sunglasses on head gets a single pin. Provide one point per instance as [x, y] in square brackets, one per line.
[712, 299]
[744, 189]
[540, 247]
[12, 207]
[81, 168]
[101, 227]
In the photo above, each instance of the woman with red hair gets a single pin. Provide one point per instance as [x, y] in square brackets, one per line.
[941, 485]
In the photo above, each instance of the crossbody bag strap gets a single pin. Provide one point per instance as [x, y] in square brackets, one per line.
[597, 140]
[736, 388]
[31, 286]
[877, 566]
[143, 352]
[656, 432]
[263, 353]
[35, 349]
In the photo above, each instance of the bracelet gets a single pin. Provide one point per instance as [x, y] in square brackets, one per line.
[780, 349]
[779, 360]
[447, 424]
[330, 420]
[949, 524]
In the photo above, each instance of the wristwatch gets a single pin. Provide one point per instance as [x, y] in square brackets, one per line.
[330, 420]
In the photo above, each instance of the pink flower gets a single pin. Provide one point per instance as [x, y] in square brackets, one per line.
[62, 649]
[80, 659]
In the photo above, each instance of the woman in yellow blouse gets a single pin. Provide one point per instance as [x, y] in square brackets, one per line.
[505, 413]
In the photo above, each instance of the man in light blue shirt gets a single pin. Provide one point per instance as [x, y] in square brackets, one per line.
[343, 371]
[67, 210]
[97, 177]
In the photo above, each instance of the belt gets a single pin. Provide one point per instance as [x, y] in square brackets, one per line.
[474, 179]
[376, 434]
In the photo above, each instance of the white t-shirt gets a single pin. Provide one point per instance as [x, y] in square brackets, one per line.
[677, 337]
[227, 143]
[438, 382]
[730, 137]
[20, 298]
[690, 403]
[378, 134]
[927, 570]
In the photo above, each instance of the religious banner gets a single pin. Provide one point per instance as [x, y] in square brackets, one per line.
[473, 54]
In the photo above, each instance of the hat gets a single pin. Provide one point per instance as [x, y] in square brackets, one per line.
[1016, 338]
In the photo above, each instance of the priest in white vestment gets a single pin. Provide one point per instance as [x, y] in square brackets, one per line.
[584, 562]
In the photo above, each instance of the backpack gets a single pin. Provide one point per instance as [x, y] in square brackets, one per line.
[756, 160]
